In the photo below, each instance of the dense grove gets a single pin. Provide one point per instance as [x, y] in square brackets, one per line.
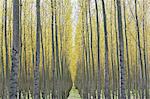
[99, 47]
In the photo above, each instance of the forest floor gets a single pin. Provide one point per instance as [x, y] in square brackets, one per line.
[74, 94]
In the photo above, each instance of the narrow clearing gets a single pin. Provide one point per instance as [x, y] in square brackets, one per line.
[74, 94]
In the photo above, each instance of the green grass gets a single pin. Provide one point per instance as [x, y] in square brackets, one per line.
[74, 94]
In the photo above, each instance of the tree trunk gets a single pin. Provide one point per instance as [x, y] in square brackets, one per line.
[20, 54]
[121, 49]
[6, 44]
[127, 52]
[2, 60]
[32, 51]
[107, 95]
[145, 53]
[53, 52]
[98, 51]
[43, 69]
[117, 48]
[25, 70]
[36, 69]
[57, 52]
[92, 55]
[87, 53]
[15, 51]
[139, 48]
[112, 57]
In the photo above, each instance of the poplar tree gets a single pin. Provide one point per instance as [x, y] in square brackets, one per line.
[15, 52]
[121, 49]
[36, 69]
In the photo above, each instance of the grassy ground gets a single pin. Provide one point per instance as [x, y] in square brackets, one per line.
[74, 94]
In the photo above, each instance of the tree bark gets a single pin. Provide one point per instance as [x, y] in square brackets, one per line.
[20, 53]
[87, 53]
[36, 69]
[145, 52]
[107, 95]
[15, 51]
[121, 49]
[43, 69]
[2, 60]
[117, 48]
[127, 49]
[6, 44]
[93, 84]
[98, 51]
[112, 56]
[139, 48]
[53, 51]
[57, 51]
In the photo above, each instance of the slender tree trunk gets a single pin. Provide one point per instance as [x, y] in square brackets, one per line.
[20, 54]
[28, 76]
[117, 49]
[2, 60]
[43, 69]
[136, 72]
[107, 95]
[10, 40]
[98, 51]
[84, 67]
[121, 48]
[91, 41]
[6, 44]
[139, 48]
[127, 52]
[53, 51]
[32, 50]
[92, 55]
[2, 63]
[25, 68]
[61, 33]
[36, 69]
[61, 30]
[32, 40]
[87, 53]
[112, 57]
[83, 57]
[57, 51]
[85, 64]
[15, 51]
[56, 43]
[145, 53]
